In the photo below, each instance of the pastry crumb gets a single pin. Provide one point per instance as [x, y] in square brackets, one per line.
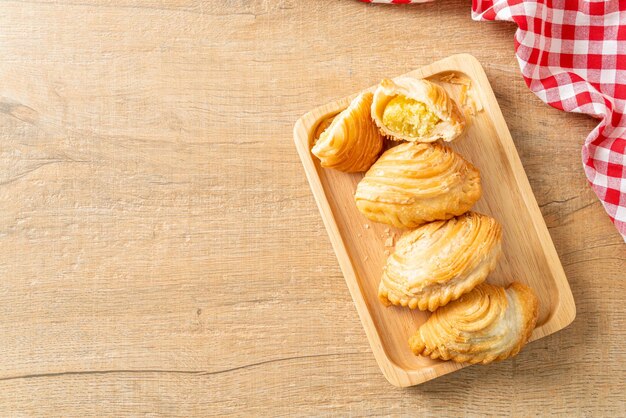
[389, 242]
[387, 252]
[447, 78]
[470, 103]
[452, 78]
[366, 226]
[477, 105]
[366, 258]
[463, 96]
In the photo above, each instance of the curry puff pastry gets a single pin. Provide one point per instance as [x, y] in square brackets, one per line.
[412, 109]
[440, 261]
[488, 324]
[415, 183]
[352, 142]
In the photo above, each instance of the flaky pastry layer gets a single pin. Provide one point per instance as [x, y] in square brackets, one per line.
[448, 125]
[414, 183]
[440, 261]
[352, 142]
[488, 324]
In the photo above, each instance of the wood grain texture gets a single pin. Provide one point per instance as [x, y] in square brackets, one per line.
[162, 252]
[529, 255]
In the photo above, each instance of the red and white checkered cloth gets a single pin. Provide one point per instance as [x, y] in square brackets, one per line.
[572, 54]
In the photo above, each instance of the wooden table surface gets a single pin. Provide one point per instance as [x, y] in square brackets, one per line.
[162, 253]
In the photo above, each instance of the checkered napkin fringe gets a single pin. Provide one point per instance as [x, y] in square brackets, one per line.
[572, 55]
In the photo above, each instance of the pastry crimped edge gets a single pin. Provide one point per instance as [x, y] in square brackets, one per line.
[455, 288]
[530, 306]
[445, 107]
[450, 290]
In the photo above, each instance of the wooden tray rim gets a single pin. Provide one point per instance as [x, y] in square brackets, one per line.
[562, 314]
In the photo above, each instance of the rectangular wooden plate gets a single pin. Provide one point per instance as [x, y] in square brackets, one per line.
[529, 255]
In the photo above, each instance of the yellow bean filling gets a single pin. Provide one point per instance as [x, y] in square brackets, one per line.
[409, 117]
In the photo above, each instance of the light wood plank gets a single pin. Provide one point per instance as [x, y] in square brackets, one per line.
[147, 171]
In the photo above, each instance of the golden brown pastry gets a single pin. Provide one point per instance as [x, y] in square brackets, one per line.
[322, 127]
[440, 261]
[488, 324]
[413, 109]
[352, 142]
[415, 183]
